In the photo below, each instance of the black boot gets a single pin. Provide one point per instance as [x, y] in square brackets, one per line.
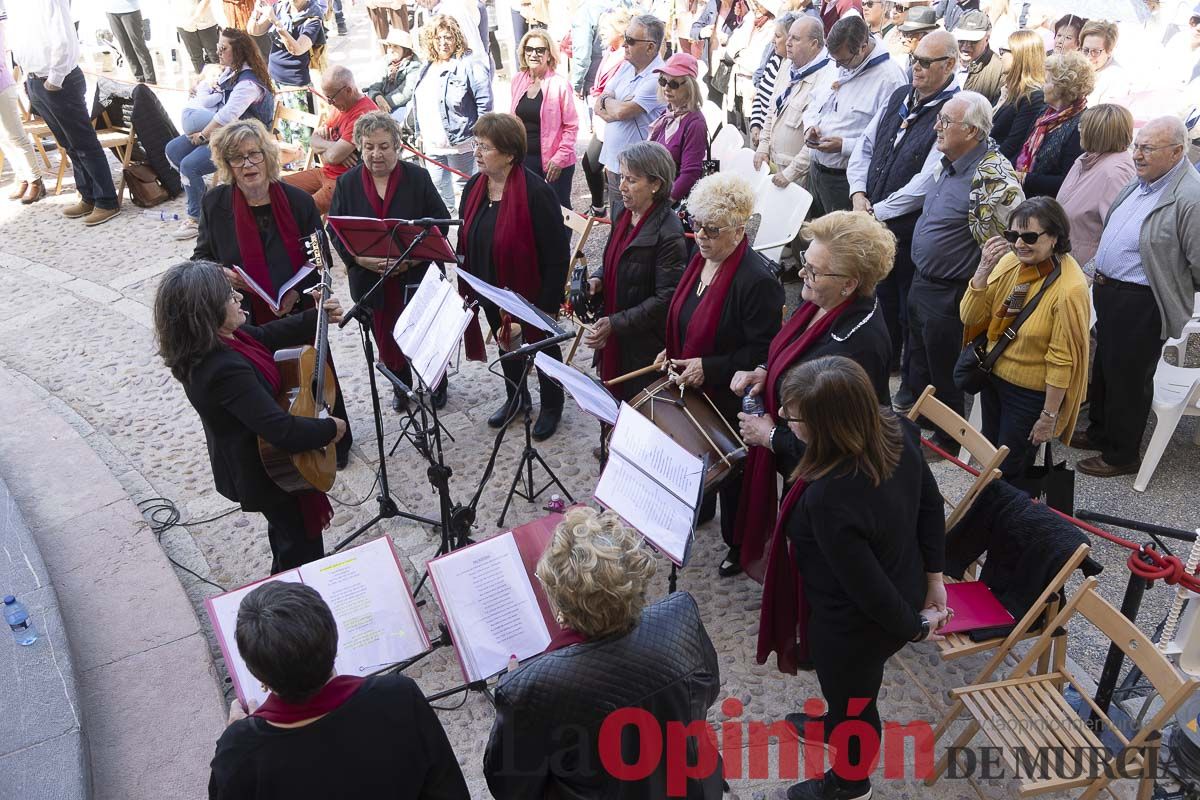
[439, 394]
[547, 422]
[511, 408]
[399, 400]
[551, 396]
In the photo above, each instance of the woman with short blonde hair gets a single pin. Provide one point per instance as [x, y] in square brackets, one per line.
[1097, 41]
[1021, 101]
[1095, 179]
[542, 99]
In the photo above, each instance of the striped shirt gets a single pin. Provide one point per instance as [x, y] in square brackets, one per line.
[1118, 256]
[764, 90]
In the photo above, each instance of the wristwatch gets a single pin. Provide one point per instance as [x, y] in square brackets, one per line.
[771, 439]
[924, 634]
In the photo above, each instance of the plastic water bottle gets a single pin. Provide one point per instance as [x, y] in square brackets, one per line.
[161, 216]
[18, 621]
[555, 504]
[753, 404]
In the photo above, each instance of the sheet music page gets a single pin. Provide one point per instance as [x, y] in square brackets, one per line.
[637, 438]
[419, 311]
[661, 517]
[485, 594]
[593, 398]
[441, 339]
[274, 302]
[223, 610]
[377, 621]
[509, 301]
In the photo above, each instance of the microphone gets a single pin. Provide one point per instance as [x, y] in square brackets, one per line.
[538, 345]
[429, 222]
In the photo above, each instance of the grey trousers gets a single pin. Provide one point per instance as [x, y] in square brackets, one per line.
[830, 190]
[127, 27]
[615, 206]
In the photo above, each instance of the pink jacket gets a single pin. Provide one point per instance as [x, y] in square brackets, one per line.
[560, 121]
[1088, 192]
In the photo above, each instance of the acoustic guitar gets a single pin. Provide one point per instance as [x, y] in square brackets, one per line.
[308, 389]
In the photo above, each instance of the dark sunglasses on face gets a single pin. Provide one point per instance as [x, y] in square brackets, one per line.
[536, 51]
[666, 84]
[1028, 237]
[630, 41]
[1194, 22]
[926, 63]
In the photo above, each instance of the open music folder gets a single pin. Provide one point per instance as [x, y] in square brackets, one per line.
[507, 300]
[652, 483]
[377, 621]
[590, 394]
[431, 325]
[276, 300]
[388, 238]
[492, 601]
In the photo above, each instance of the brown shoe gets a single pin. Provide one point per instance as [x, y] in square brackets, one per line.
[1080, 441]
[37, 190]
[1097, 467]
[77, 210]
[99, 216]
[19, 191]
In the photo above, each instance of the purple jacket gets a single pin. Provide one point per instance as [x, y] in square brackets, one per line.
[687, 148]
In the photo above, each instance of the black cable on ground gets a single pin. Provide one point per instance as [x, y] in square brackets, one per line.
[163, 515]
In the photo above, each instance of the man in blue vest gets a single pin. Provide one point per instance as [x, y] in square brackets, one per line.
[891, 163]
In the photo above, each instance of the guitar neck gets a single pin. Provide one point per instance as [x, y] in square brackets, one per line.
[321, 259]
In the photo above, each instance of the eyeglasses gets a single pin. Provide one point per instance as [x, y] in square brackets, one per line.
[1146, 148]
[780, 417]
[845, 63]
[672, 85]
[1028, 237]
[946, 122]
[709, 231]
[808, 271]
[333, 96]
[1003, 51]
[926, 63]
[1092, 52]
[899, 9]
[484, 149]
[869, 4]
[536, 51]
[630, 41]
[253, 157]
[1194, 22]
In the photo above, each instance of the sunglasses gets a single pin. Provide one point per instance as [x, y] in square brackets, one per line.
[536, 51]
[926, 63]
[672, 85]
[630, 41]
[1028, 237]
[1194, 22]
[1003, 51]
[709, 231]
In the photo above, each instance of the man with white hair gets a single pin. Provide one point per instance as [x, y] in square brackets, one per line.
[1146, 279]
[967, 201]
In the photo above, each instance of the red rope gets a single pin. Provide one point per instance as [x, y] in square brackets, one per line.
[1145, 562]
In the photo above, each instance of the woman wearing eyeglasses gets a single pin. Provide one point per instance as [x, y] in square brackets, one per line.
[1037, 384]
[1053, 143]
[1097, 41]
[543, 101]
[724, 313]
[839, 315]
[682, 128]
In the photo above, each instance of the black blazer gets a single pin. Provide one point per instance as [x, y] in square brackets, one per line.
[236, 406]
[864, 550]
[217, 240]
[1012, 123]
[870, 346]
[549, 236]
[414, 198]
[648, 271]
[752, 315]
[1054, 159]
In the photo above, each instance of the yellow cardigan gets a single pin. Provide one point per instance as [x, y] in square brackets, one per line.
[1051, 347]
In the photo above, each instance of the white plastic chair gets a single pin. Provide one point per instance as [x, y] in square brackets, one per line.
[783, 211]
[714, 117]
[1176, 395]
[741, 162]
[727, 142]
[1179, 345]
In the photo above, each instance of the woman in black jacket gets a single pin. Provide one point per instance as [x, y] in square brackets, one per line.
[1022, 100]
[228, 371]
[724, 313]
[864, 519]
[1053, 144]
[501, 244]
[384, 187]
[643, 261]
[840, 315]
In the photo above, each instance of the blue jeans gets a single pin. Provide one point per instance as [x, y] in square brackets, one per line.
[1009, 413]
[66, 113]
[448, 184]
[561, 186]
[193, 162]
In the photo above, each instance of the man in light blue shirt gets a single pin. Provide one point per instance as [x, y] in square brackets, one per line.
[630, 102]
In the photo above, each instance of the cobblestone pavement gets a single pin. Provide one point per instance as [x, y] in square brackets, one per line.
[80, 326]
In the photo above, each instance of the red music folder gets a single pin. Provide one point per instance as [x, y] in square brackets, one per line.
[387, 238]
[974, 607]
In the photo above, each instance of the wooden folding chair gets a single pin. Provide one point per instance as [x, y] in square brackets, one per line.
[581, 225]
[120, 139]
[1030, 723]
[298, 117]
[37, 129]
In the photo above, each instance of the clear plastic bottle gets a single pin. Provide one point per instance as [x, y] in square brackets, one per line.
[17, 617]
[753, 404]
[161, 216]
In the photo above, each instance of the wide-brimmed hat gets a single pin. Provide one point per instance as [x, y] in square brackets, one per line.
[973, 26]
[679, 65]
[920, 18]
[399, 38]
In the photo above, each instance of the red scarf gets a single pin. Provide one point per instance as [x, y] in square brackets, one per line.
[254, 258]
[331, 696]
[1047, 122]
[565, 638]
[624, 232]
[702, 328]
[760, 498]
[514, 252]
[383, 321]
[783, 620]
[314, 505]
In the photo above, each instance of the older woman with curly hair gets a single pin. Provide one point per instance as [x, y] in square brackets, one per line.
[724, 314]
[839, 315]
[1053, 144]
[614, 652]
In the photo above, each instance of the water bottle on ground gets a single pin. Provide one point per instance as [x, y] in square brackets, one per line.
[161, 216]
[18, 621]
[753, 404]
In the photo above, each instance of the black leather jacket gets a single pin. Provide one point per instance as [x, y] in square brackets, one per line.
[545, 741]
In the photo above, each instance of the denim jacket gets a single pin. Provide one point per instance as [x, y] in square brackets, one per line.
[466, 94]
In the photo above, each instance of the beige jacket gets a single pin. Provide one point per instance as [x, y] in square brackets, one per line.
[782, 139]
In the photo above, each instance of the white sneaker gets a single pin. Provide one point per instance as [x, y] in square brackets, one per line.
[188, 229]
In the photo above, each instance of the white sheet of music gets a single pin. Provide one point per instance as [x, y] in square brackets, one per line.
[419, 311]
[593, 398]
[429, 336]
[660, 456]
[275, 302]
[486, 598]
[648, 507]
[509, 301]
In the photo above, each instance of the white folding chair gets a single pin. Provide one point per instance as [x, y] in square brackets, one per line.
[741, 162]
[1176, 395]
[714, 117]
[727, 142]
[783, 211]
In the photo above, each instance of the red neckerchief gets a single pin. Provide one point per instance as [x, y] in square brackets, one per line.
[624, 232]
[757, 512]
[331, 696]
[383, 321]
[514, 252]
[565, 638]
[783, 620]
[702, 328]
[382, 204]
[254, 258]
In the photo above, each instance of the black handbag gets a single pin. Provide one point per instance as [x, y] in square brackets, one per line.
[1051, 482]
[975, 362]
[722, 75]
